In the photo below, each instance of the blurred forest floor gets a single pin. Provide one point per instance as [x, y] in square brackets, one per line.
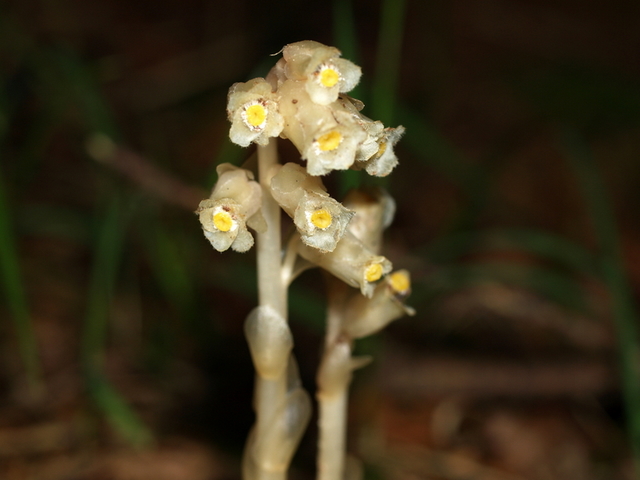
[518, 200]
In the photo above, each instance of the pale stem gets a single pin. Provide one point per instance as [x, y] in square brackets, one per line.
[332, 424]
[271, 291]
[270, 287]
[332, 407]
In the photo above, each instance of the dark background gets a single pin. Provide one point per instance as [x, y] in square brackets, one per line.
[122, 355]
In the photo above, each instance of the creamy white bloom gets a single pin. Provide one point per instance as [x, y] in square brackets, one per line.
[320, 220]
[234, 202]
[327, 136]
[324, 74]
[384, 160]
[253, 111]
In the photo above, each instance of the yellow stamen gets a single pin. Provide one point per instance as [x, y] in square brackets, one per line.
[329, 141]
[329, 77]
[400, 282]
[381, 149]
[255, 115]
[321, 218]
[373, 272]
[222, 221]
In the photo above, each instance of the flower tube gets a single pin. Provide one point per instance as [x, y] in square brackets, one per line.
[351, 262]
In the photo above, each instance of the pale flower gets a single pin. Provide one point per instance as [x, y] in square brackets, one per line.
[320, 220]
[327, 136]
[234, 203]
[253, 111]
[325, 75]
[224, 225]
[384, 160]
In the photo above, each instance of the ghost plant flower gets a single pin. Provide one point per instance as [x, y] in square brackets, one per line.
[320, 220]
[327, 136]
[384, 160]
[234, 203]
[324, 74]
[253, 111]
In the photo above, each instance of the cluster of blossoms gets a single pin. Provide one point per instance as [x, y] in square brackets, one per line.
[304, 99]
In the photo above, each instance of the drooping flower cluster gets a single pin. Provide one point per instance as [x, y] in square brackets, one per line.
[304, 99]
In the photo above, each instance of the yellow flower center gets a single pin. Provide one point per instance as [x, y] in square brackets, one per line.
[399, 282]
[373, 272]
[321, 218]
[255, 115]
[223, 221]
[329, 141]
[329, 77]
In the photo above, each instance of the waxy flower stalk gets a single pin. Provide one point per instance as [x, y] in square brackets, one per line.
[303, 99]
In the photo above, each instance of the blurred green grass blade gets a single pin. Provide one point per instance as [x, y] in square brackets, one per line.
[57, 221]
[345, 37]
[388, 60]
[11, 276]
[547, 246]
[119, 414]
[84, 91]
[70, 91]
[344, 30]
[437, 152]
[557, 287]
[107, 259]
[14, 293]
[168, 265]
[587, 98]
[611, 264]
